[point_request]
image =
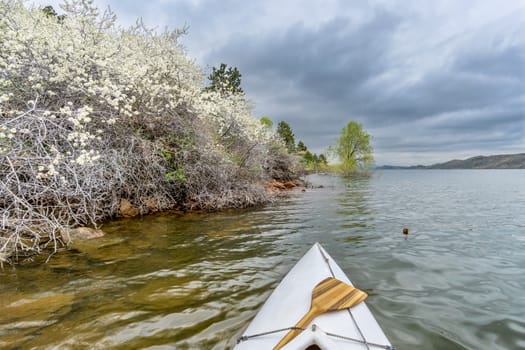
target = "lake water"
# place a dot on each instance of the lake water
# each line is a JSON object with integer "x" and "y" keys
{"x": 194, "y": 282}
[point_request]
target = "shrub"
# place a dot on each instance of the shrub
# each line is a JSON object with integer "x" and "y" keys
{"x": 91, "y": 114}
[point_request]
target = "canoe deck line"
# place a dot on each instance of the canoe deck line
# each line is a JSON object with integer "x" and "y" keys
{"x": 354, "y": 328}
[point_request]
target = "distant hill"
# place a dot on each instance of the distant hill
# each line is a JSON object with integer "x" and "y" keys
{"x": 502, "y": 161}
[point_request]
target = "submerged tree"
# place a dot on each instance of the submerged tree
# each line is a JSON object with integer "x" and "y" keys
{"x": 354, "y": 149}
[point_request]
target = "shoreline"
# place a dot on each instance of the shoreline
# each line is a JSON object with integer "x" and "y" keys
{"x": 274, "y": 190}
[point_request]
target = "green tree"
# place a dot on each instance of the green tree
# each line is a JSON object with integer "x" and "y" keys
{"x": 285, "y": 132}
{"x": 311, "y": 161}
{"x": 301, "y": 147}
{"x": 225, "y": 81}
{"x": 322, "y": 160}
{"x": 267, "y": 122}
{"x": 308, "y": 157}
{"x": 315, "y": 163}
{"x": 354, "y": 149}
{"x": 50, "y": 12}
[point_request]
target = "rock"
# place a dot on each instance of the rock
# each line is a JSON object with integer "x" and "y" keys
{"x": 82, "y": 233}
{"x": 105, "y": 249}
{"x": 20, "y": 310}
{"x": 278, "y": 185}
{"x": 127, "y": 209}
{"x": 151, "y": 204}
{"x": 289, "y": 184}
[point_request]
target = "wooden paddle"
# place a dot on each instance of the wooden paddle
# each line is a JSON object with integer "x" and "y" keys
{"x": 329, "y": 295}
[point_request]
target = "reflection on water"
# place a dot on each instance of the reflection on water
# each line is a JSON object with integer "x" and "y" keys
{"x": 194, "y": 282}
{"x": 354, "y": 204}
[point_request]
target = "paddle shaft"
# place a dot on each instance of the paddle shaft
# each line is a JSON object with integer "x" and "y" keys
{"x": 303, "y": 322}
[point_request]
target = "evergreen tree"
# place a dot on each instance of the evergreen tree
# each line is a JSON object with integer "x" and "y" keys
{"x": 322, "y": 160}
{"x": 309, "y": 157}
{"x": 301, "y": 147}
{"x": 225, "y": 81}
{"x": 285, "y": 132}
{"x": 50, "y": 12}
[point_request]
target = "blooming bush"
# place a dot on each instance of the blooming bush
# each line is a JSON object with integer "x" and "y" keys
{"x": 91, "y": 114}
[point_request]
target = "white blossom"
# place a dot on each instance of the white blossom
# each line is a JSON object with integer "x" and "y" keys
{"x": 77, "y": 92}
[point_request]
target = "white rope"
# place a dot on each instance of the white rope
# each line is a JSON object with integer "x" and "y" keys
{"x": 248, "y": 337}
{"x": 342, "y": 337}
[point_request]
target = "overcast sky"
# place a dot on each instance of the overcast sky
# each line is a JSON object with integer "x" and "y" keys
{"x": 429, "y": 80}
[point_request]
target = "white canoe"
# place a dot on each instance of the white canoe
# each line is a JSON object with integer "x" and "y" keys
{"x": 354, "y": 328}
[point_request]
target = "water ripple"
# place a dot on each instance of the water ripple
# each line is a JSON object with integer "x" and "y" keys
{"x": 194, "y": 281}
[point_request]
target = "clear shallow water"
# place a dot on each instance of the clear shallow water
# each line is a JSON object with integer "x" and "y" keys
{"x": 194, "y": 282}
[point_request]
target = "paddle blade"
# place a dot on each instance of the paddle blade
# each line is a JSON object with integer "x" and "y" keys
{"x": 328, "y": 295}
{"x": 332, "y": 294}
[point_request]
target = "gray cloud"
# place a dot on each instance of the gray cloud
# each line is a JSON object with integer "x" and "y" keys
{"x": 433, "y": 82}
{"x": 469, "y": 93}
